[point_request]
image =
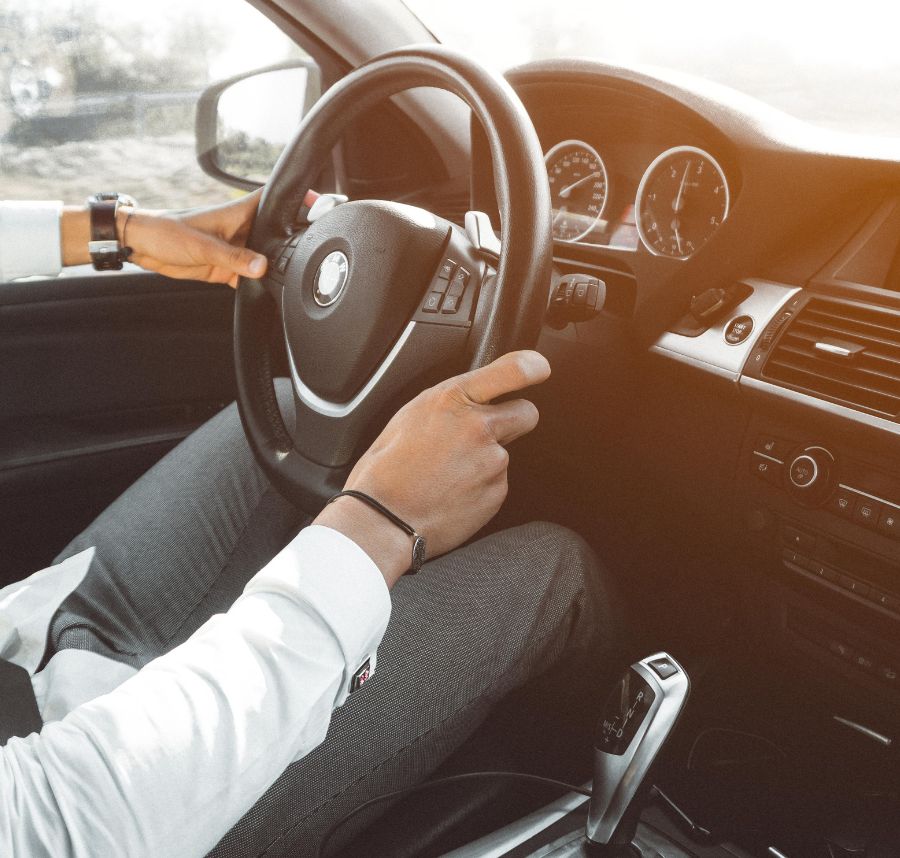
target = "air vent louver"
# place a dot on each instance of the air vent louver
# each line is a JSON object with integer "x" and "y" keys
{"x": 844, "y": 352}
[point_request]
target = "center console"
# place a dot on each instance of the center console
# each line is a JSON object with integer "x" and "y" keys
{"x": 817, "y": 483}
{"x": 823, "y": 517}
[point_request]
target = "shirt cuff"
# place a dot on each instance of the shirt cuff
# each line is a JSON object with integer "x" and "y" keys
{"x": 29, "y": 239}
{"x": 342, "y": 584}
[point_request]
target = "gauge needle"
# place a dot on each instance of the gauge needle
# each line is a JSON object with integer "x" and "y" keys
{"x": 566, "y": 192}
{"x": 559, "y": 214}
{"x": 677, "y": 236}
{"x": 679, "y": 199}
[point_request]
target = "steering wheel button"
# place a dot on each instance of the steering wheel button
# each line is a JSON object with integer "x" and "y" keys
{"x": 451, "y": 303}
{"x": 446, "y": 269}
{"x": 432, "y": 302}
{"x": 581, "y": 293}
{"x": 460, "y": 279}
{"x": 457, "y": 287}
{"x": 439, "y": 285}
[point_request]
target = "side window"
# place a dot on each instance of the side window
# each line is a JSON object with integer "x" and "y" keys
{"x": 102, "y": 95}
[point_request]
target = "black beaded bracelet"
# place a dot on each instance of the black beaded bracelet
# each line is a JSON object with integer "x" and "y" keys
{"x": 418, "y": 548}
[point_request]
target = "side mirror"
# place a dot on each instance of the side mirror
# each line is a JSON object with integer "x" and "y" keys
{"x": 244, "y": 122}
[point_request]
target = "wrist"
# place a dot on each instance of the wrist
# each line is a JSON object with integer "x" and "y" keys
{"x": 389, "y": 548}
{"x": 124, "y": 224}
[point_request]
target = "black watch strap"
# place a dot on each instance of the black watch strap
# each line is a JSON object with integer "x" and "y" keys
{"x": 418, "y": 547}
{"x": 106, "y": 252}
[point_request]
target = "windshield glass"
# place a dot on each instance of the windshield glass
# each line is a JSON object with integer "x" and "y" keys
{"x": 836, "y": 65}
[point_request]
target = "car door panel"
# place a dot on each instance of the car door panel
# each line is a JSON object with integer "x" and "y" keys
{"x": 99, "y": 377}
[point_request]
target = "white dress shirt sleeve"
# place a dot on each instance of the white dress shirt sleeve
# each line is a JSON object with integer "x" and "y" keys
{"x": 29, "y": 239}
{"x": 167, "y": 762}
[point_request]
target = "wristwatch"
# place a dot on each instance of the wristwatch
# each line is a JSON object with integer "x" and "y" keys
{"x": 106, "y": 252}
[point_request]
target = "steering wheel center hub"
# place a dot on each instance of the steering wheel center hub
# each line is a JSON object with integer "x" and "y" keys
{"x": 355, "y": 279}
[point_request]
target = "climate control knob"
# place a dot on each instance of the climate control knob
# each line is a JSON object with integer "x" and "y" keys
{"x": 810, "y": 475}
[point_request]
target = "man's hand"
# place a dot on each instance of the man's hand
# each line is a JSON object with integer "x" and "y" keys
{"x": 206, "y": 245}
{"x": 440, "y": 463}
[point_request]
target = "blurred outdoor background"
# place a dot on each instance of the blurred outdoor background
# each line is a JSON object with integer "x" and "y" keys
{"x": 101, "y": 94}
{"x": 836, "y": 64}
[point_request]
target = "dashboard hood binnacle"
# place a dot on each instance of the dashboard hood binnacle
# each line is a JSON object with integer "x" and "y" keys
{"x": 744, "y": 119}
{"x": 798, "y": 192}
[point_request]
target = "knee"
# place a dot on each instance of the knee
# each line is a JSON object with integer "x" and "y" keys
{"x": 569, "y": 571}
{"x": 559, "y": 550}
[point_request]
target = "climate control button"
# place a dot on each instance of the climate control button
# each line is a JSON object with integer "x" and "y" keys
{"x": 810, "y": 476}
{"x": 804, "y": 471}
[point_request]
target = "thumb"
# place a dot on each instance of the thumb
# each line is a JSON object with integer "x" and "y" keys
{"x": 232, "y": 257}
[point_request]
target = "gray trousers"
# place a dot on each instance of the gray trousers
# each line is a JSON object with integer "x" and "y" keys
{"x": 181, "y": 544}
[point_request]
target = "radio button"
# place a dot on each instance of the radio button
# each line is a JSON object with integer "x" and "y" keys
{"x": 853, "y": 585}
{"x": 798, "y": 539}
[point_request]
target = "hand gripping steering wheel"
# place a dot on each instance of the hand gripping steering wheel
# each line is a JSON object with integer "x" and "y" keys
{"x": 376, "y": 300}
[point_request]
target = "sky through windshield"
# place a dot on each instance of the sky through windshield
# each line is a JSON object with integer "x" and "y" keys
{"x": 836, "y": 65}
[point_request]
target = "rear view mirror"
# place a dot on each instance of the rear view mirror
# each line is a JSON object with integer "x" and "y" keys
{"x": 244, "y": 122}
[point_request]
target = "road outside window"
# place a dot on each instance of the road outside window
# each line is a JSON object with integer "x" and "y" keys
{"x": 101, "y": 95}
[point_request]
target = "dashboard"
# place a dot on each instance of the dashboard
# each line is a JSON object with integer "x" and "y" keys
{"x": 771, "y": 428}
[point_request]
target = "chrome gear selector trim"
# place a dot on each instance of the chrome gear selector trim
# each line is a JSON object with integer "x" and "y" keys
{"x": 636, "y": 722}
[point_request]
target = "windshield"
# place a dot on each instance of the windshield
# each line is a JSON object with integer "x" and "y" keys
{"x": 835, "y": 65}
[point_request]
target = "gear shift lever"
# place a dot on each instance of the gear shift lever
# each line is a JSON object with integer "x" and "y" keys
{"x": 636, "y": 722}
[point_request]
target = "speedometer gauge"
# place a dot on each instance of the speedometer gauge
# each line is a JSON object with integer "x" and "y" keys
{"x": 681, "y": 201}
{"x": 578, "y": 188}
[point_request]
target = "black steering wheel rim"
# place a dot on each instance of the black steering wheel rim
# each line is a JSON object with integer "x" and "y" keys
{"x": 510, "y": 312}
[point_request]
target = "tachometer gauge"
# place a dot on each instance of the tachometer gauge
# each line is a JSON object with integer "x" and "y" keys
{"x": 578, "y": 188}
{"x": 681, "y": 201}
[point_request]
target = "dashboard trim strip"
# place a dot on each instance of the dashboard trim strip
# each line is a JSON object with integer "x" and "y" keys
{"x": 869, "y": 496}
{"x": 710, "y": 351}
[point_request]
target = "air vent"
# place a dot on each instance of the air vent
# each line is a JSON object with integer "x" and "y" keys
{"x": 844, "y": 352}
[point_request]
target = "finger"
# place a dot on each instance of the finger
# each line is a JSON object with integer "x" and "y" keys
{"x": 177, "y": 272}
{"x": 507, "y": 374}
{"x": 510, "y": 420}
{"x": 216, "y": 253}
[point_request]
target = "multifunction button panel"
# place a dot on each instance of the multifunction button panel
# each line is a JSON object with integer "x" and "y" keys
{"x": 812, "y": 475}
{"x": 447, "y": 289}
{"x": 450, "y": 296}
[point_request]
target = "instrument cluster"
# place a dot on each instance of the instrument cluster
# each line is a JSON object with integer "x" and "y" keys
{"x": 682, "y": 198}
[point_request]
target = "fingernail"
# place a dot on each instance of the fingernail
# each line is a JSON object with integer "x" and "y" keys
{"x": 535, "y": 362}
{"x": 257, "y": 266}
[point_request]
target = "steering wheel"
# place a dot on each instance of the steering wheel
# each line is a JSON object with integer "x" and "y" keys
{"x": 376, "y": 300}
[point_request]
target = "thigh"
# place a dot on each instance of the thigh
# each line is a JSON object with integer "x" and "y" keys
{"x": 469, "y": 628}
{"x": 177, "y": 547}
